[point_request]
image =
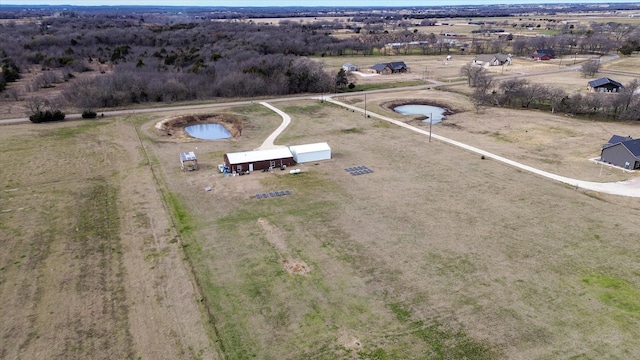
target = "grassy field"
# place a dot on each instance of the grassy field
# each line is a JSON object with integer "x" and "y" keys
{"x": 110, "y": 251}
{"x": 436, "y": 254}
{"x": 89, "y": 264}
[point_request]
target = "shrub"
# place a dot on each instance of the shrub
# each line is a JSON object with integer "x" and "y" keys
{"x": 45, "y": 116}
{"x": 89, "y": 114}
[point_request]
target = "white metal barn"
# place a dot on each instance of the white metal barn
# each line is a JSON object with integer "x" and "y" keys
{"x": 310, "y": 152}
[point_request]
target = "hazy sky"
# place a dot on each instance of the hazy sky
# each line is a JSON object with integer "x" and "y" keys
{"x": 296, "y": 2}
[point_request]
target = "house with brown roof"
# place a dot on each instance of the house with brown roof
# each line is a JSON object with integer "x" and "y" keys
{"x": 543, "y": 54}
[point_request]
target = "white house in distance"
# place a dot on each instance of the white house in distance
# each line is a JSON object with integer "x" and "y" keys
{"x": 349, "y": 67}
{"x": 486, "y": 60}
{"x": 310, "y": 152}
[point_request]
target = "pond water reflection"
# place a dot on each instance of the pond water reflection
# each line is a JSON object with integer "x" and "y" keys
{"x": 433, "y": 113}
{"x": 208, "y": 131}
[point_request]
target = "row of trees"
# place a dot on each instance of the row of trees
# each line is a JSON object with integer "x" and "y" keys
{"x": 136, "y": 62}
{"x": 520, "y": 93}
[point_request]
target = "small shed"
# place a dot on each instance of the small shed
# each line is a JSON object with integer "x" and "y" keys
{"x": 604, "y": 85}
{"x": 188, "y": 161}
{"x": 310, "y": 152}
{"x": 255, "y": 160}
{"x": 622, "y": 151}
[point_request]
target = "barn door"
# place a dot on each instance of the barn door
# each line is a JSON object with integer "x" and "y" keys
{"x": 250, "y": 167}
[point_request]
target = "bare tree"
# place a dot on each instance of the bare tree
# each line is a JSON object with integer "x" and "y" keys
{"x": 36, "y": 105}
{"x": 482, "y": 93}
{"x": 590, "y": 68}
{"x": 532, "y": 93}
{"x": 512, "y": 90}
{"x": 472, "y": 72}
{"x": 628, "y": 93}
{"x": 555, "y": 97}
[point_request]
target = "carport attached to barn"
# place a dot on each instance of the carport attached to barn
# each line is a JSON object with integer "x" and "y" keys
{"x": 258, "y": 159}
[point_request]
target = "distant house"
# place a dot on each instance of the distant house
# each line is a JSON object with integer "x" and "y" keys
{"x": 543, "y": 54}
{"x": 604, "y": 85}
{"x": 390, "y": 68}
{"x": 622, "y": 151}
{"x": 350, "y": 67}
{"x": 492, "y": 60}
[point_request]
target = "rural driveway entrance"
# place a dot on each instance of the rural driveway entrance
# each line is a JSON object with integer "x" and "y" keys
{"x": 286, "y": 120}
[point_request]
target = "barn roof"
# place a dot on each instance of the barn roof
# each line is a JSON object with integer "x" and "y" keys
{"x": 307, "y": 148}
{"x": 259, "y": 155}
{"x": 603, "y": 81}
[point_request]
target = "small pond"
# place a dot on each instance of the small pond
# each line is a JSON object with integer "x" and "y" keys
{"x": 433, "y": 113}
{"x": 208, "y": 131}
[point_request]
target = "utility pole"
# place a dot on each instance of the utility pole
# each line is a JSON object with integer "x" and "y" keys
{"x": 430, "y": 123}
{"x": 365, "y": 104}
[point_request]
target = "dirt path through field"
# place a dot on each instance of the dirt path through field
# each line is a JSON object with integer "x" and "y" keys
{"x": 165, "y": 320}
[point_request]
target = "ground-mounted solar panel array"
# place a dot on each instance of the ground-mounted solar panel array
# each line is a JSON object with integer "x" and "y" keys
{"x": 358, "y": 170}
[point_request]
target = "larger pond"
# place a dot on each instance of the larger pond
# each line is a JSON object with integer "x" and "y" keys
{"x": 433, "y": 113}
{"x": 208, "y": 131}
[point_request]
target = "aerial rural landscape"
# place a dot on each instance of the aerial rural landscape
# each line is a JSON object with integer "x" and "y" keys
{"x": 320, "y": 222}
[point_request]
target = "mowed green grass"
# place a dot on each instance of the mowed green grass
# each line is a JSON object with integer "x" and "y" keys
{"x": 437, "y": 254}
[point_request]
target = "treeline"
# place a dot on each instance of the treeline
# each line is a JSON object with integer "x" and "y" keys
{"x": 134, "y": 60}
{"x": 520, "y": 93}
{"x": 141, "y": 62}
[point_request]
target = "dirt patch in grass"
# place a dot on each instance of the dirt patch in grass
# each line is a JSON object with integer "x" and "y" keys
{"x": 275, "y": 237}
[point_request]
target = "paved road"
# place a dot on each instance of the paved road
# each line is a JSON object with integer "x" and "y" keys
{"x": 629, "y": 188}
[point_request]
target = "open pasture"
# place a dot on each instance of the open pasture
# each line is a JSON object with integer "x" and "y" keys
{"x": 436, "y": 253}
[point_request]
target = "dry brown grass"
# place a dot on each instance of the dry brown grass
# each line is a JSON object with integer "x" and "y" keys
{"x": 435, "y": 243}
{"x": 89, "y": 266}
{"x": 437, "y": 253}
